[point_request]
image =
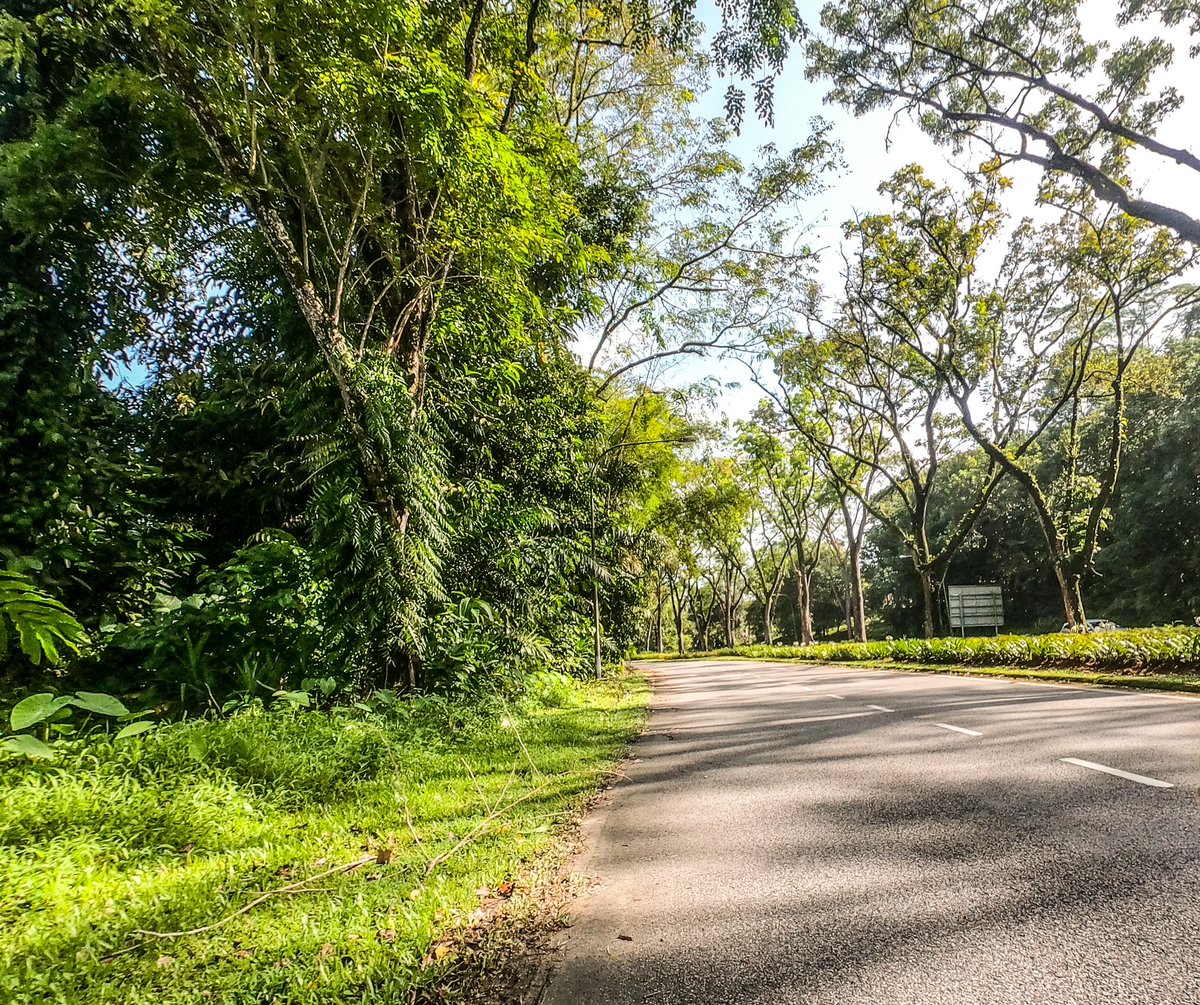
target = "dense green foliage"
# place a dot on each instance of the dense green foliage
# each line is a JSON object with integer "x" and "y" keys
{"x": 285, "y": 386}
{"x": 955, "y": 422}
{"x": 38, "y": 622}
{"x": 1145, "y": 573}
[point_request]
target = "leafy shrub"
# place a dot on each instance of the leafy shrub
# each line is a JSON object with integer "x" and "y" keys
{"x": 468, "y": 651}
{"x": 253, "y": 625}
{"x": 474, "y": 652}
{"x": 1143, "y": 649}
{"x": 550, "y": 688}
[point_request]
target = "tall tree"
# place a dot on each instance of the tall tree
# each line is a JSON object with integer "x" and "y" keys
{"x": 899, "y": 304}
{"x": 1089, "y": 286}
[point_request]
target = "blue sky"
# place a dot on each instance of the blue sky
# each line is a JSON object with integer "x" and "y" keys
{"x": 877, "y": 145}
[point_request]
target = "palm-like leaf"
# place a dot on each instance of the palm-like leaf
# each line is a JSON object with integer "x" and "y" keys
{"x": 43, "y": 625}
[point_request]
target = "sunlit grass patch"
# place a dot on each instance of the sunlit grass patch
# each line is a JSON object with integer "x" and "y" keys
{"x": 182, "y": 828}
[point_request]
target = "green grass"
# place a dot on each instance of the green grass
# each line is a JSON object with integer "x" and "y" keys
{"x": 187, "y": 825}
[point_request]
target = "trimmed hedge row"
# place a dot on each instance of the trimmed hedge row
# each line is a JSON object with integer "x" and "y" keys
{"x": 1148, "y": 650}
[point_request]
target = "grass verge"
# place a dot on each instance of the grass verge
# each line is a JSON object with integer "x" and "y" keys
{"x": 376, "y": 839}
{"x": 1151, "y": 682}
{"x": 1156, "y": 658}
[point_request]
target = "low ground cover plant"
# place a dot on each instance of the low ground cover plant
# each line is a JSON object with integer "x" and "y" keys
{"x": 1131, "y": 651}
{"x": 371, "y": 835}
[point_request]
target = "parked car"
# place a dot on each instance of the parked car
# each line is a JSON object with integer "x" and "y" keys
{"x": 1096, "y": 625}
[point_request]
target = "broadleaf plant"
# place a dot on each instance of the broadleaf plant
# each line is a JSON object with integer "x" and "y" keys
{"x": 50, "y": 712}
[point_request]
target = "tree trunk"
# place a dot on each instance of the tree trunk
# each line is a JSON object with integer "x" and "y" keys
{"x": 855, "y": 601}
{"x": 769, "y": 620}
{"x": 703, "y": 624}
{"x": 927, "y": 597}
{"x": 658, "y": 618}
{"x": 729, "y": 606}
{"x": 599, "y": 664}
{"x": 858, "y": 602}
{"x": 1069, "y": 581}
{"x": 848, "y": 608}
{"x": 803, "y": 599}
{"x": 677, "y": 611}
{"x": 1071, "y": 587}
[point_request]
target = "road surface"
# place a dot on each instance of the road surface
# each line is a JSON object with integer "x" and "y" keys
{"x": 837, "y": 836}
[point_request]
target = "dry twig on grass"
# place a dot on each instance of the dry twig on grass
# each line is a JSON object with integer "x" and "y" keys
{"x": 480, "y": 829}
{"x": 300, "y": 886}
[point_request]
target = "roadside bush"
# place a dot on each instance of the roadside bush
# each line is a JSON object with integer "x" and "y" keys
{"x": 550, "y": 688}
{"x": 1138, "y": 650}
{"x": 255, "y": 624}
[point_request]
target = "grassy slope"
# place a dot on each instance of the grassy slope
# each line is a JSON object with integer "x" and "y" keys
{"x": 183, "y": 828}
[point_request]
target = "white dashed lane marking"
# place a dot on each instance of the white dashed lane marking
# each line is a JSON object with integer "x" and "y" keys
{"x": 1140, "y": 779}
{"x": 881, "y": 708}
{"x": 958, "y": 729}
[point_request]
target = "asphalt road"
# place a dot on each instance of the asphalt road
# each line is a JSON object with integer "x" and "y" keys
{"x": 838, "y": 836}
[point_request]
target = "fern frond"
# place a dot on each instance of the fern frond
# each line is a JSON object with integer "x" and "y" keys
{"x": 42, "y": 624}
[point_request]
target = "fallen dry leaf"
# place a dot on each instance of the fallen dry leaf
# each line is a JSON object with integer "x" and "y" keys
{"x": 165, "y": 961}
{"x": 437, "y": 953}
{"x": 386, "y": 935}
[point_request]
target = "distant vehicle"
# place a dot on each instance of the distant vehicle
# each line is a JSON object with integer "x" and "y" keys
{"x": 1096, "y": 625}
